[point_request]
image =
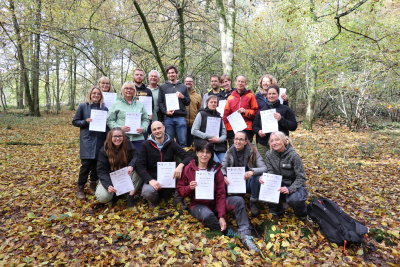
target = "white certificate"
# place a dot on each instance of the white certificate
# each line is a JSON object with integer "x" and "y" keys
{"x": 165, "y": 174}
{"x": 268, "y": 122}
{"x": 269, "y": 189}
{"x": 221, "y": 107}
{"x": 237, "y": 183}
{"x": 99, "y": 119}
{"x": 134, "y": 121}
{"x": 213, "y": 126}
{"x": 122, "y": 181}
{"x": 237, "y": 122}
{"x": 109, "y": 98}
{"x": 171, "y": 101}
{"x": 205, "y": 185}
{"x": 148, "y": 103}
{"x": 281, "y": 92}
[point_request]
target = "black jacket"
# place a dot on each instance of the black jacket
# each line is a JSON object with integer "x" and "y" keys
{"x": 262, "y": 101}
{"x": 169, "y": 88}
{"x": 287, "y": 123}
{"x": 104, "y": 168}
{"x": 149, "y": 155}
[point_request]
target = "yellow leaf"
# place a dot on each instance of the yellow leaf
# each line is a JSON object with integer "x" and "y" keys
{"x": 176, "y": 242}
{"x": 360, "y": 252}
{"x": 396, "y": 233}
{"x": 285, "y": 243}
{"x": 171, "y": 252}
{"x": 116, "y": 217}
{"x": 207, "y": 251}
{"x": 273, "y": 228}
{"x": 269, "y": 245}
{"x": 108, "y": 239}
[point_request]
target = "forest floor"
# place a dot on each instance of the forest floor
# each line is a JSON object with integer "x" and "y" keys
{"x": 43, "y": 223}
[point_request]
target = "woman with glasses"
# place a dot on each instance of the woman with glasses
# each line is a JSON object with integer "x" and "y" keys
{"x": 116, "y": 154}
{"x": 245, "y": 154}
{"x": 90, "y": 141}
{"x": 129, "y": 104}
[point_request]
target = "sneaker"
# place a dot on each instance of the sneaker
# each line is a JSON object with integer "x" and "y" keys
{"x": 248, "y": 242}
{"x": 231, "y": 233}
{"x": 80, "y": 193}
{"x": 131, "y": 200}
{"x": 255, "y": 211}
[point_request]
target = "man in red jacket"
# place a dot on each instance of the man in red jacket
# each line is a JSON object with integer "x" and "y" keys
{"x": 243, "y": 101}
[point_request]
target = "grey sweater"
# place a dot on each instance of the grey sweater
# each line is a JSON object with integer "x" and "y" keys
{"x": 259, "y": 167}
{"x": 288, "y": 164}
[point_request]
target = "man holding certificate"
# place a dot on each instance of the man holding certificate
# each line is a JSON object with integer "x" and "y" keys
{"x": 173, "y": 99}
{"x": 159, "y": 148}
{"x": 208, "y": 201}
{"x": 244, "y": 154}
{"x": 283, "y": 160}
{"x": 243, "y": 101}
{"x": 283, "y": 116}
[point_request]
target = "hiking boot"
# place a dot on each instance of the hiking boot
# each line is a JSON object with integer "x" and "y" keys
{"x": 248, "y": 242}
{"x": 179, "y": 201}
{"x": 80, "y": 193}
{"x": 255, "y": 211}
{"x": 131, "y": 200}
{"x": 93, "y": 185}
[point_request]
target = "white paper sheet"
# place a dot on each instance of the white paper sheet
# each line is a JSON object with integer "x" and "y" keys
{"x": 121, "y": 181}
{"x": 237, "y": 122}
{"x": 172, "y": 102}
{"x": 109, "y": 99}
{"x": 221, "y": 106}
{"x": 268, "y": 122}
{"x": 205, "y": 185}
{"x": 165, "y": 173}
{"x": 134, "y": 121}
{"x": 281, "y": 91}
{"x": 213, "y": 126}
{"x": 237, "y": 183}
{"x": 99, "y": 120}
{"x": 269, "y": 189}
{"x": 148, "y": 103}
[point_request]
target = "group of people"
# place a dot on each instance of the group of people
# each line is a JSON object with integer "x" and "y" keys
{"x": 162, "y": 136}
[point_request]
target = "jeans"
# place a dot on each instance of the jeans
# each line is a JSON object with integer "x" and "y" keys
{"x": 296, "y": 200}
{"x": 219, "y": 157}
{"x": 253, "y": 187}
{"x": 88, "y": 166}
{"x": 176, "y": 127}
{"x": 233, "y": 203}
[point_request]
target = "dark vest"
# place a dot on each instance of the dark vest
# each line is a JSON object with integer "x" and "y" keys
{"x": 218, "y": 147}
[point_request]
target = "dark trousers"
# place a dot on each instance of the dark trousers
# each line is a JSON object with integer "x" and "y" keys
{"x": 296, "y": 200}
{"x": 88, "y": 166}
{"x": 230, "y": 135}
{"x": 233, "y": 203}
{"x": 189, "y": 136}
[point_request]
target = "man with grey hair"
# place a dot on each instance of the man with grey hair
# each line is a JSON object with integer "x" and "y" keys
{"x": 154, "y": 78}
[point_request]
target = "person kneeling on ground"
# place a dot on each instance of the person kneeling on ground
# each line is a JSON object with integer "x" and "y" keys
{"x": 283, "y": 160}
{"x": 116, "y": 154}
{"x": 212, "y": 212}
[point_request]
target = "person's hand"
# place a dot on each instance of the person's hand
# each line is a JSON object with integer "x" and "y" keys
{"x": 125, "y": 129}
{"x": 180, "y": 95}
{"x": 130, "y": 170}
{"x": 140, "y": 130}
{"x": 150, "y": 117}
{"x": 89, "y": 120}
{"x": 261, "y": 180}
{"x": 248, "y": 174}
{"x": 261, "y": 133}
{"x": 170, "y": 112}
{"x": 277, "y": 116}
{"x": 213, "y": 140}
{"x": 178, "y": 171}
{"x": 192, "y": 185}
{"x": 111, "y": 189}
{"x": 155, "y": 184}
{"x": 226, "y": 180}
{"x": 242, "y": 110}
{"x": 284, "y": 97}
{"x": 283, "y": 190}
{"x": 222, "y": 223}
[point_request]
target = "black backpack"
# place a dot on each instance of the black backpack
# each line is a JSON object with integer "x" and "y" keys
{"x": 337, "y": 226}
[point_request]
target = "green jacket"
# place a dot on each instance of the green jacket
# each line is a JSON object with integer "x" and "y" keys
{"x": 116, "y": 116}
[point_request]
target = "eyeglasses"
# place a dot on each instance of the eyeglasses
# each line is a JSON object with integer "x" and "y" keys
{"x": 240, "y": 139}
{"x": 129, "y": 89}
{"x": 117, "y": 136}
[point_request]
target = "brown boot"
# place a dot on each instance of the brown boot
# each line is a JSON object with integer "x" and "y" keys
{"x": 93, "y": 185}
{"x": 80, "y": 193}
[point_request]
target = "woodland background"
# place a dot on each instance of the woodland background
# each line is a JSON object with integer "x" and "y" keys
{"x": 339, "y": 61}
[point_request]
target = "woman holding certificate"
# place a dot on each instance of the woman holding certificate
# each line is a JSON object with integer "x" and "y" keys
{"x": 266, "y": 81}
{"x": 118, "y": 153}
{"x": 211, "y": 211}
{"x": 209, "y": 127}
{"x": 129, "y": 114}
{"x": 283, "y": 160}
{"x": 274, "y": 116}
{"x": 90, "y": 141}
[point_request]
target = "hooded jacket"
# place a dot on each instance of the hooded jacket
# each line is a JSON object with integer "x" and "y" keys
{"x": 235, "y": 101}
{"x": 170, "y": 88}
{"x": 218, "y": 204}
{"x": 230, "y": 161}
{"x": 150, "y": 154}
{"x": 285, "y": 124}
{"x": 288, "y": 164}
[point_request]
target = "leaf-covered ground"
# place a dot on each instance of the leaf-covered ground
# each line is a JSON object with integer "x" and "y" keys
{"x": 42, "y": 222}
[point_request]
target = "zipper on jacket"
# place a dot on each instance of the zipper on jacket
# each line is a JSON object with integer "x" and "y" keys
{"x": 159, "y": 150}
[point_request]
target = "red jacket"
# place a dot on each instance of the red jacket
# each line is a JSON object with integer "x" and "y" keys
{"x": 248, "y": 101}
{"x": 189, "y": 174}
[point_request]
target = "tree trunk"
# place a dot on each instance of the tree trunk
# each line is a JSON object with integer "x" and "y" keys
{"x": 180, "y": 10}
{"x": 35, "y": 59}
{"x": 19, "y": 91}
{"x": 57, "y": 92}
{"x": 47, "y": 80}
{"x": 72, "y": 80}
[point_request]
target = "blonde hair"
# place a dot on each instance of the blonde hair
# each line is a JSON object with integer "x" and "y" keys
{"x": 270, "y": 77}
{"x": 89, "y": 93}
{"x": 108, "y": 79}
{"x": 283, "y": 137}
{"x": 131, "y": 84}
